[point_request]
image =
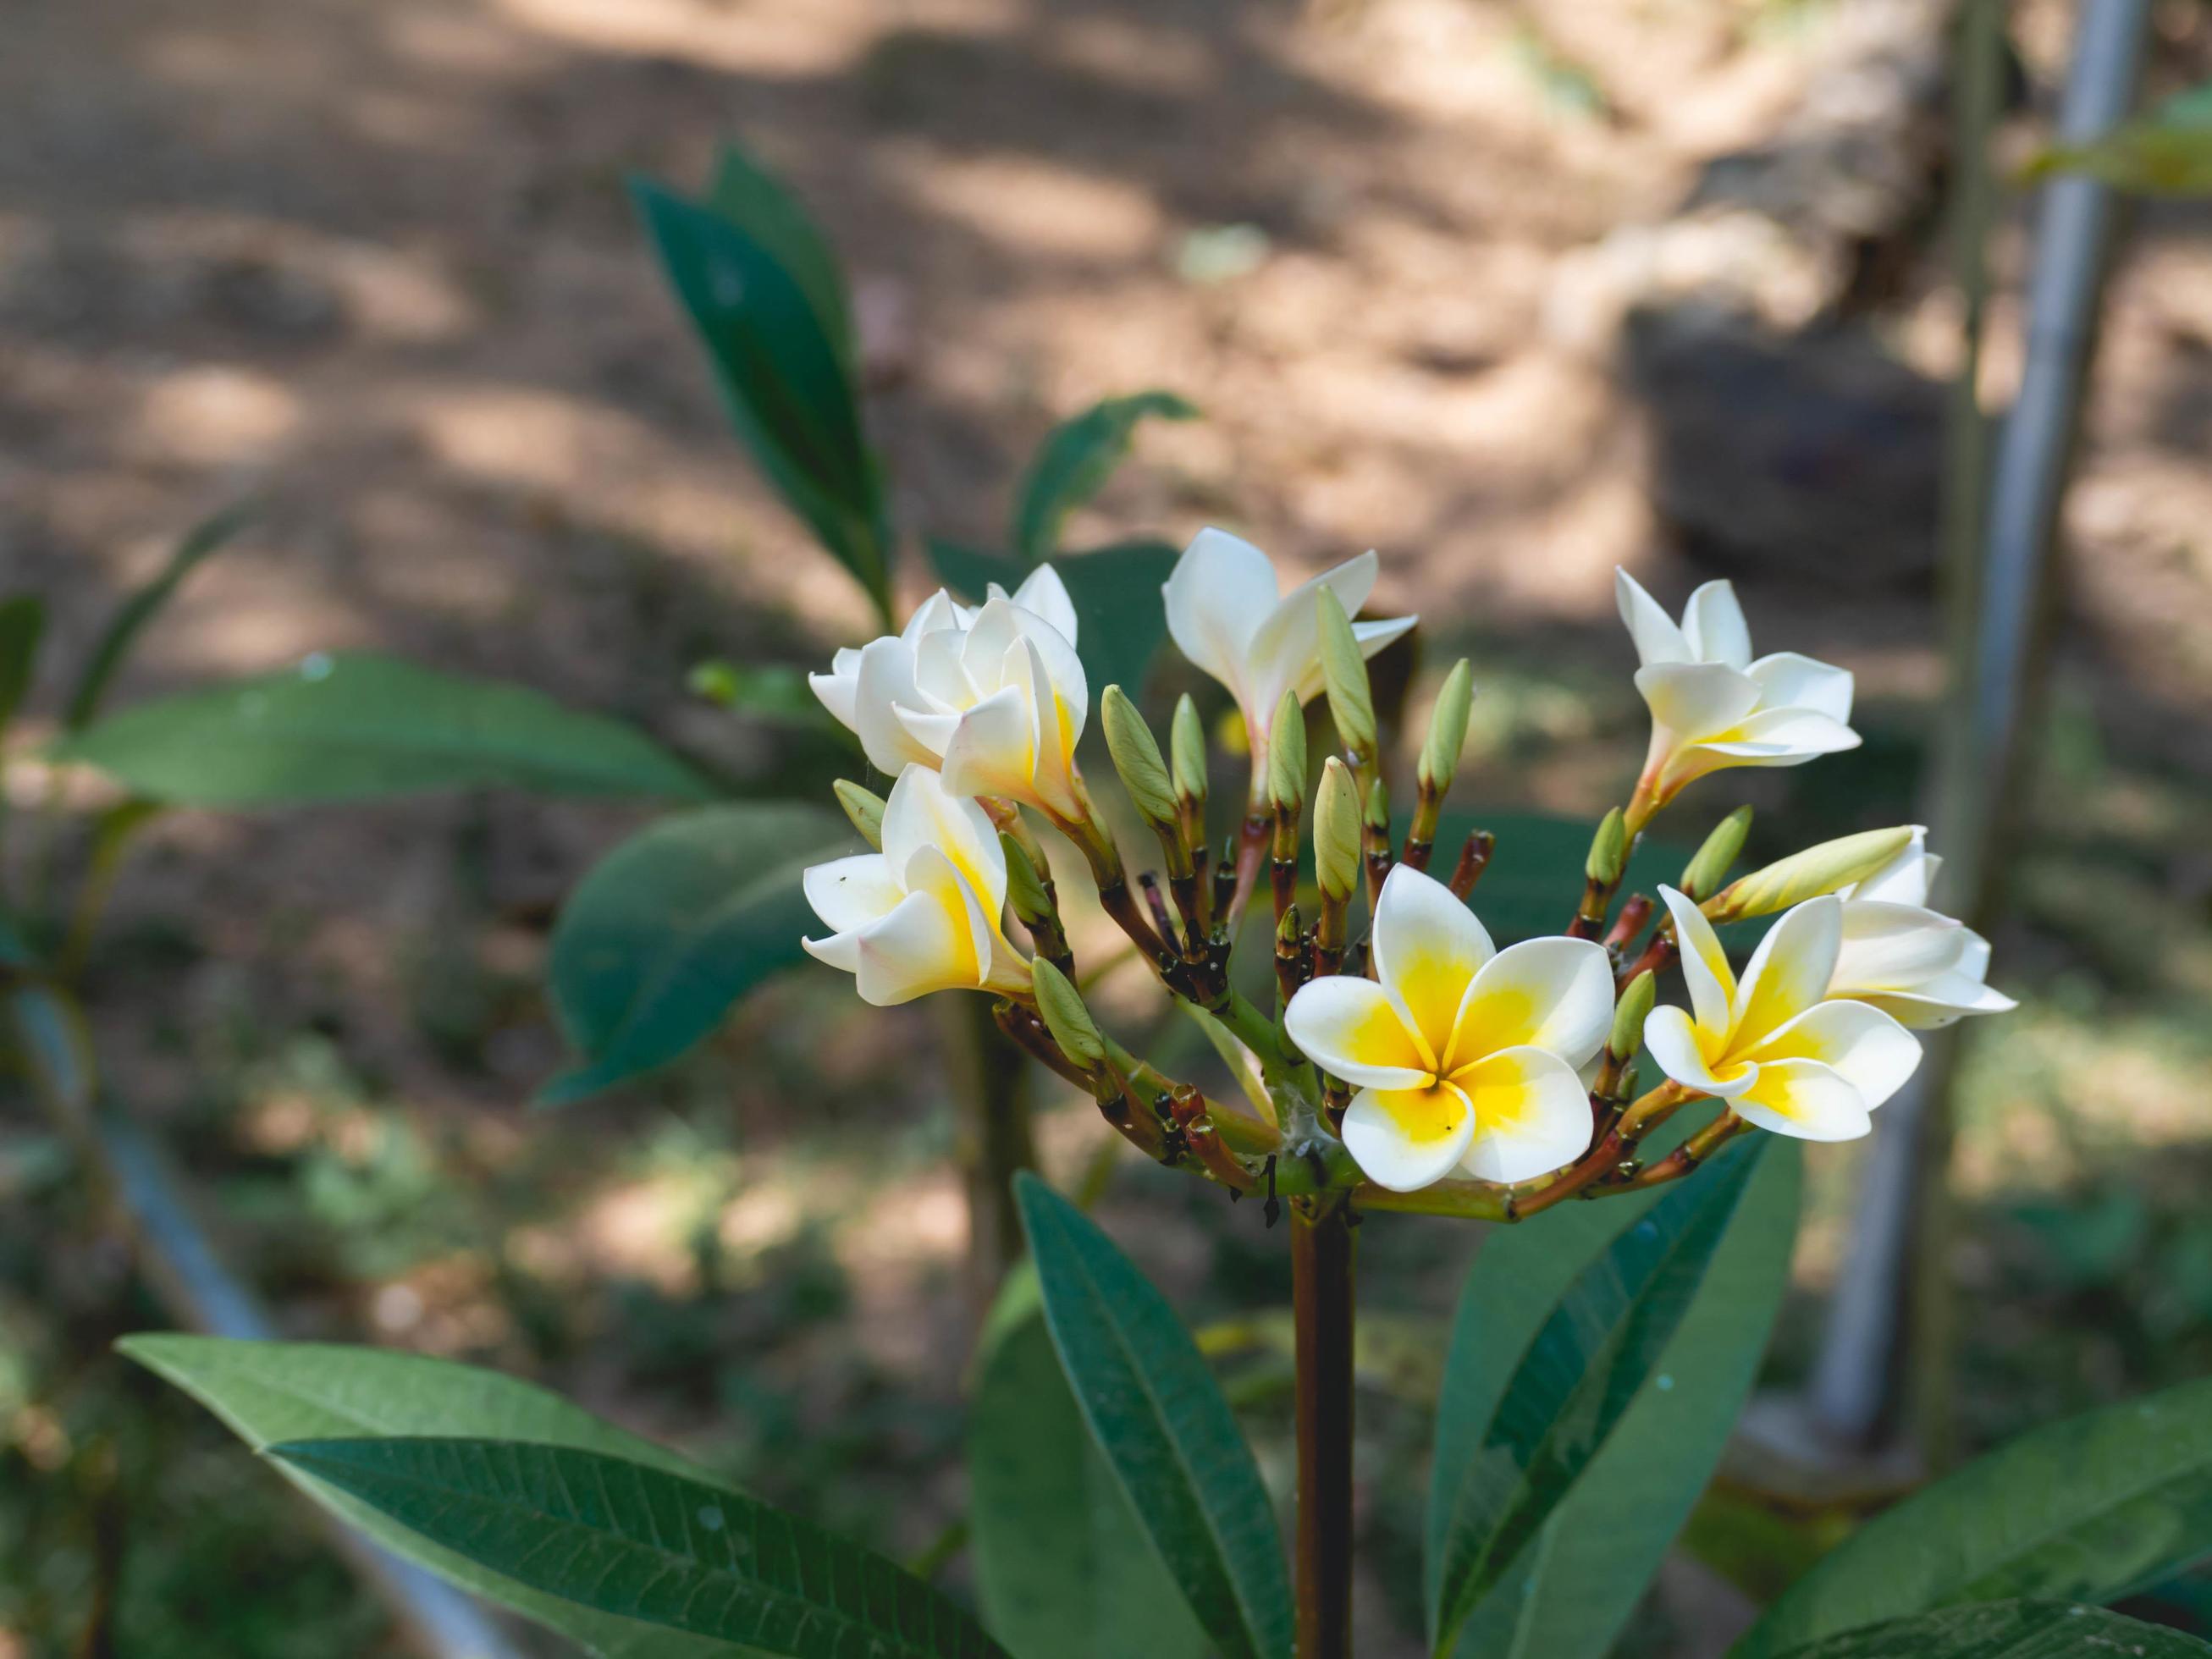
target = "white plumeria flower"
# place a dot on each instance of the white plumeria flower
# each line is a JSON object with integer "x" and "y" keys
{"x": 1463, "y": 1054}
{"x": 993, "y": 696}
{"x": 1225, "y": 615}
{"x": 1775, "y": 1046}
{"x": 923, "y": 914}
{"x": 1916, "y": 964}
{"x": 1712, "y": 706}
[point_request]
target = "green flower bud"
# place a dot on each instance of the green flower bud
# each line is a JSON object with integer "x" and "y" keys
{"x": 1025, "y": 885}
{"x": 1344, "y": 670}
{"x": 1448, "y": 729}
{"x": 1187, "y": 748}
{"x": 1136, "y": 757}
{"x": 1630, "y": 1013}
{"x": 1065, "y": 1017}
{"x": 1378, "y": 807}
{"x": 1703, "y": 876}
{"x": 1290, "y": 932}
{"x": 1286, "y": 757}
{"x": 1608, "y": 850}
{"x": 866, "y": 810}
{"x": 1808, "y": 874}
{"x": 1336, "y": 831}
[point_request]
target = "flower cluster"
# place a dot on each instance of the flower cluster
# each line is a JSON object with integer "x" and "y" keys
{"x": 1420, "y": 1064}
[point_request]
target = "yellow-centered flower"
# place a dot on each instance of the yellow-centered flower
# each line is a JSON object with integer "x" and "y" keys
{"x": 1783, "y": 1053}
{"x": 923, "y": 914}
{"x": 1464, "y": 1055}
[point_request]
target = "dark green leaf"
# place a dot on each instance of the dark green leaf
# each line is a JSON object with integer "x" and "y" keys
{"x": 269, "y": 1392}
{"x": 635, "y": 1540}
{"x": 785, "y": 382}
{"x": 1154, "y": 1411}
{"x": 22, "y": 619}
{"x": 1583, "y": 1578}
{"x": 2010, "y": 1630}
{"x": 1075, "y": 462}
{"x": 1061, "y": 1563}
{"x": 349, "y": 727}
{"x": 1121, "y": 619}
{"x": 1570, "y": 1387}
{"x": 2089, "y": 1509}
{"x": 760, "y": 205}
{"x": 674, "y": 925}
{"x": 204, "y": 539}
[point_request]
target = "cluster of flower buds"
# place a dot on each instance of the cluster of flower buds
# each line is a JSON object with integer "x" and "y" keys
{"x": 1407, "y": 1060}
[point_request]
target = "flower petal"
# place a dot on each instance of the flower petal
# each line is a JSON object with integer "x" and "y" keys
{"x": 1805, "y": 1100}
{"x": 1906, "y": 880}
{"x": 1531, "y": 1115}
{"x": 1861, "y": 1044}
{"x": 992, "y": 748}
{"x": 1219, "y": 592}
{"x": 1045, "y": 593}
{"x": 921, "y": 812}
{"x": 1657, "y": 639}
{"x": 885, "y": 676}
{"x": 1789, "y": 680}
{"x": 1405, "y": 1139}
{"x": 1697, "y": 699}
{"x": 1714, "y": 628}
{"x": 1943, "y": 1000}
{"x": 938, "y": 611}
{"x": 1783, "y": 736}
{"x": 1427, "y": 945}
{"x": 1705, "y": 967}
{"x": 1893, "y": 947}
{"x": 1372, "y": 637}
{"x": 1286, "y": 648}
{"x": 1789, "y": 971}
{"x": 850, "y": 892}
{"x": 839, "y": 688}
{"x": 1352, "y": 1028}
{"x": 839, "y": 951}
{"x": 925, "y": 944}
{"x": 1551, "y": 993}
{"x": 1673, "y": 1040}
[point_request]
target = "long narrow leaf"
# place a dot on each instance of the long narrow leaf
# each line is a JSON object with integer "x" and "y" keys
{"x": 637, "y": 1541}
{"x": 2010, "y": 1630}
{"x": 1574, "y": 1382}
{"x": 762, "y": 206}
{"x": 1154, "y": 1411}
{"x": 1075, "y": 462}
{"x": 204, "y": 539}
{"x": 22, "y": 620}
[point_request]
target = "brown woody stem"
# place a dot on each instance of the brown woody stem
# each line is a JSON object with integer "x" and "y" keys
{"x": 1323, "y": 1255}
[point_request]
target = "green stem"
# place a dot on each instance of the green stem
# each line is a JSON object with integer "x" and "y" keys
{"x": 1322, "y": 1254}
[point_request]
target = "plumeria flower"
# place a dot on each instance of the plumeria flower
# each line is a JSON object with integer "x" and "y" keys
{"x": 1917, "y": 965}
{"x": 923, "y": 914}
{"x": 1712, "y": 706}
{"x": 993, "y": 696}
{"x": 1225, "y": 614}
{"x": 1463, "y": 1054}
{"x": 1783, "y": 1053}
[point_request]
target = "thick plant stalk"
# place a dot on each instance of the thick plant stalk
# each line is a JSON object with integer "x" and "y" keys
{"x": 995, "y": 1138}
{"x": 2005, "y": 589}
{"x": 1321, "y": 1275}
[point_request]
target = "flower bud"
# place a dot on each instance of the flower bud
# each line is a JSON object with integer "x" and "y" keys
{"x": 1336, "y": 831}
{"x": 1630, "y": 1013}
{"x": 1703, "y": 876}
{"x": 1447, "y": 729}
{"x": 1025, "y": 885}
{"x": 1065, "y": 1017}
{"x": 866, "y": 810}
{"x": 1808, "y": 874}
{"x": 1186, "y": 748}
{"x": 1609, "y": 851}
{"x": 1286, "y": 757}
{"x": 1378, "y": 808}
{"x": 1344, "y": 672}
{"x": 1136, "y": 757}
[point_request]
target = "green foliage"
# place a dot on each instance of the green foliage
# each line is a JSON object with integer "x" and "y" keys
{"x": 2167, "y": 153}
{"x": 637, "y": 1541}
{"x": 1589, "y": 1567}
{"x": 2090, "y": 1509}
{"x": 1075, "y": 462}
{"x": 206, "y": 537}
{"x": 675, "y": 924}
{"x": 22, "y": 620}
{"x": 1569, "y": 1390}
{"x": 784, "y": 374}
{"x": 1153, "y": 1410}
{"x": 2009, "y": 1629}
{"x": 352, "y": 727}
{"x": 1060, "y": 1558}
{"x": 272, "y": 1392}
{"x": 769, "y": 691}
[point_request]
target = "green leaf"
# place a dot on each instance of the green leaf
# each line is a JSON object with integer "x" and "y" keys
{"x": 22, "y": 620}
{"x": 1582, "y": 1581}
{"x": 785, "y": 380}
{"x": 1121, "y": 619}
{"x": 1154, "y": 1411}
{"x": 1075, "y": 462}
{"x": 349, "y": 727}
{"x": 674, "y": 925}
{"x": 635, "y": 1540}
{"x": 2010, "y": 1630}
{"x": 1061, "y": 1561}
{"x": 271, "y": 1392}
{"x": 769, "y": 691}
{"x": 762, "y": 206}
{"x": 1570, "y": 1387}
{"x": 2167, "y": 153}
{"x": 202, "y": 540}
{"x": 2090, "y": 1509}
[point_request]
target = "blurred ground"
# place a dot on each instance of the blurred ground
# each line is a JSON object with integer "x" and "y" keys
{"x": 375, "y": 261}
